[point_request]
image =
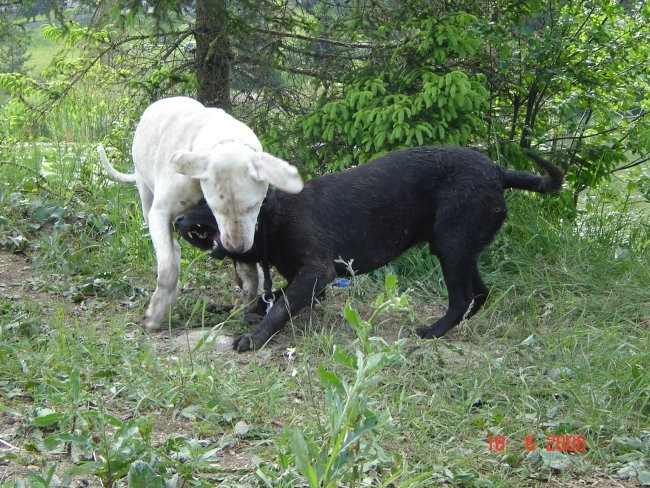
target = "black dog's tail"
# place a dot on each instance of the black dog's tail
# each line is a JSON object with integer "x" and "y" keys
{"x": 549, "y": 183}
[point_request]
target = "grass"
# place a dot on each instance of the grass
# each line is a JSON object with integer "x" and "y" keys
{"x": 561, "y": 349}
{"x": 41, "y": 51}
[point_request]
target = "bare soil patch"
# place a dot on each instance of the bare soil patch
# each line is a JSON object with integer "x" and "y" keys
{"x": 15, "y": 272}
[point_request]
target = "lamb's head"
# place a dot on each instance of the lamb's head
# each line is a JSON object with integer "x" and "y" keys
{"x": 234, "y": 180}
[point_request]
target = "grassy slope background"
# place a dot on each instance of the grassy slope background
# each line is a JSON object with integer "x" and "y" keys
{"x": 561, "y": 349}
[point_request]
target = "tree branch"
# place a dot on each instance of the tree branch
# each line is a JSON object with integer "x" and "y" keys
{"x": 323, "y": 40}
{"x": 640, "y": 160}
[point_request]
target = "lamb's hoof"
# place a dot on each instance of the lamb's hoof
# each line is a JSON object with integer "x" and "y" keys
{"x": 151, "y": 326}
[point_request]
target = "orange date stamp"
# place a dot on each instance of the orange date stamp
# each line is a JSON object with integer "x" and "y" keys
{"x": 557, "y": 443}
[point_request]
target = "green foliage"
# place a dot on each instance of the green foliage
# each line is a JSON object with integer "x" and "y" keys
{"x": 348, "y": 446}
{"x": 141, "y": 475}
{"x": 33, "y": 8}
{"x": 554, "y": 72}
{"x": 415, "y": 98}
{"x": 51, "y": 109}
{"x": 122, "y": 443}
{"x": 336, "y": 85}
{"x": 13, "y": 46}
{"x": 38, "y": 102}
{"x": 559, "y": 79}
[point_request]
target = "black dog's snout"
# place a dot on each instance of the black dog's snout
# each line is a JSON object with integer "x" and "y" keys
{"x": 199, "y": 227}
{"x": 180, "y": 224}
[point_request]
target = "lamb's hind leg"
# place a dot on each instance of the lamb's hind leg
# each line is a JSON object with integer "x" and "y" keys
{"x": 146, "y": 200}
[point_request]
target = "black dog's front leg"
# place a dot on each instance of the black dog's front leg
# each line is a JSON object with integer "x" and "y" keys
{"x": 298, "y": 295}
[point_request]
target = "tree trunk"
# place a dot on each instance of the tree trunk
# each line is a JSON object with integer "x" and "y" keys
{"x": 213, "y": 55}
{"x": 529, "y": 118}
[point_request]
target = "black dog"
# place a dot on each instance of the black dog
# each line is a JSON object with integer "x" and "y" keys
{"x": 450, "y": 197}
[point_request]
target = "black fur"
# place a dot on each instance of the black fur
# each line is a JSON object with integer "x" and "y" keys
{"x": 449, "y": 197}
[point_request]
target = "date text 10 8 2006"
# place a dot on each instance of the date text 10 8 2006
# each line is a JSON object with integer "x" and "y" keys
{"x": 559, "y": 443}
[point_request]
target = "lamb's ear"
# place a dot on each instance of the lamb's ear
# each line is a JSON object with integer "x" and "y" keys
{"x": 277, "y": 172}
{"x": 189, "y": 163}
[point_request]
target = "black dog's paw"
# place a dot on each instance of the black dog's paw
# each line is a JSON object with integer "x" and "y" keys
{"x": 428, "y": 332}
{"x": 250, "y": 342}
{"x": 218, "y": 308}
{"x": 244, "y": 343}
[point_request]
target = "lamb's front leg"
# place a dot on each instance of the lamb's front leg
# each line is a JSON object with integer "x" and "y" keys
{"x": 308, "y": 283}
{"x": 169, "y": 262}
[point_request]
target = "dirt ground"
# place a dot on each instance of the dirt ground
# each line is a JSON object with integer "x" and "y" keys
{"x": 15, "y": 277}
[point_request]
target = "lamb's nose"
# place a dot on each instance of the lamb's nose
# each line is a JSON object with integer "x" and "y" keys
{"x": 179, "y": 219}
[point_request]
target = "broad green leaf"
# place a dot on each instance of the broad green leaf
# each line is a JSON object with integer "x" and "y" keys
{"x": 344, "y": 358}
{"x": 351, "y": 315}
{"x": 329, "y": 378}
{"x": 75, "y": 386}
{"x": 48, "y": 419}
{"x": 141, "y": 475}
{"x": 300, "y": 450}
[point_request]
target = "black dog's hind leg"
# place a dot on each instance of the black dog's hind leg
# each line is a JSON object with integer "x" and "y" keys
{"x": 456, "y": 269}
{"x": 458, "y": 241}
{"x": 308, "y": 283}
{"x": 479, "y": 292}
